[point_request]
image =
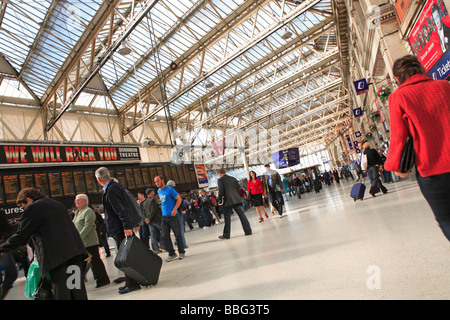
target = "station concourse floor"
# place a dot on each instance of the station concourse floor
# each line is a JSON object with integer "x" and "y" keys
{"x": 325, "y": 247}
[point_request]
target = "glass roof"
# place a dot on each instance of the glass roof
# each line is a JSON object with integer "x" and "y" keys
{"x": 237, "y": 63}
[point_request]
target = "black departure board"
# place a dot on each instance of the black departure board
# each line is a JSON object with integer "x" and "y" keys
{"x": 12, "y": 188}
{"x": 91, "y": 182}
{"x": 54, "y": 180}
{"x": 120, "y": 176}
{"x": 138, "y": 178}
{"x": 79, "y": 181}
{"x": 2, "y": 191}
{"x": 67, "y": 183}
{"x": 180, "y": 174}
{"x": 26, "y": 180}
{"x": 41, "y": 182}
{"x": 146, "y": 177}
{"x": 130, "y": 178}
{"x": 153, "y": 174}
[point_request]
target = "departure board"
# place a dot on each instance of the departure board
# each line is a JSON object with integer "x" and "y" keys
{"x": 174, "y": 174}
{"x": 26, "y": 180}
{"x": 146, "y": 177}
{"x": 180, "y": 174}
{"x": 187, "y": 176}
{"x": 41, "y": 182}
{"x": 80, "y": 182}
{"x": 91, "y": 182}
{"x": 167, "y": 174}
{"x": 160, "y": 172}
{"x": 67, "y": 182}
{"x": 138, "y": 178}
{"x": 54, "y": 179}
{"x": 153, "y": 174}
{"x": 2, "y": 191}
{"x": 12, "y": 188}
{"x": 193, "y": 175}
{"x": 130, "y": 178}
{"x": 120, "y": 176}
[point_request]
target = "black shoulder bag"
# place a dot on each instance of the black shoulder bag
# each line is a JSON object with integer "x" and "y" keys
{"x": 408, "y": 154}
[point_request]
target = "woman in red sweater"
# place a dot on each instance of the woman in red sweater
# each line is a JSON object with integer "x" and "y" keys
{"x": 420, "y": 108}
{"x": 256, "y": 191}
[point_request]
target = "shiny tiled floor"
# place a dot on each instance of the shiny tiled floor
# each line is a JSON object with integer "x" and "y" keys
{"x": 326, "y": 247}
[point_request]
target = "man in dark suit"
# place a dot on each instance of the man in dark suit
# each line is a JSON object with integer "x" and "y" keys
{"x": 56, "y": 243}
{"x": 118, "y": 217}
{"x": 229, "y": 194}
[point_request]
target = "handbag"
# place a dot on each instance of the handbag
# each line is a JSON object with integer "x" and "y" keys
{"x": 408, "y": 155}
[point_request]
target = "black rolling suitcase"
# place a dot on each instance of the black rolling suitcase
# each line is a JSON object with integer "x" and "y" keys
{"x": 138, "y": 262}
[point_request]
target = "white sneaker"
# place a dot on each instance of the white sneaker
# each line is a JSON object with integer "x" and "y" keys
{"x": 171, "y": 258}
{"x": 181, "y": 257}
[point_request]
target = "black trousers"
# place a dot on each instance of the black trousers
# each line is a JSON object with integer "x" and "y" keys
{"x": 67, "y": 280}
{"x": 436, "y": 191}
{"x": 98, "y": 268}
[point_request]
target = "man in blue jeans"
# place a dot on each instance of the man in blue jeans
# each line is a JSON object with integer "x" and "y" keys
{"x": 170, "y": 201}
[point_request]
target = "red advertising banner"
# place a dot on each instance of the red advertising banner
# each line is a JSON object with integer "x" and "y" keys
{"x": 28, "y": 154}
{"x": 430, "y": 38}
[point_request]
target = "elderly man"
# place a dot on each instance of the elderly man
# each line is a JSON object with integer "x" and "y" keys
{"x": 118, "y": 217}
{"x": 84, "y": 221}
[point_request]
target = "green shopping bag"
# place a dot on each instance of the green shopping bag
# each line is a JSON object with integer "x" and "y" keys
{"x": 33, "y": 280}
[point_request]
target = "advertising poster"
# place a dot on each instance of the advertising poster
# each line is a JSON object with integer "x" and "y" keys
{"x": 202, "y": 176}
{"x": 430, "y": 38}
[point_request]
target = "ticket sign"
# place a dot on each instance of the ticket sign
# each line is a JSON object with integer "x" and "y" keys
{"x": 361, "y": 86}
{"x": 29, "y": 154}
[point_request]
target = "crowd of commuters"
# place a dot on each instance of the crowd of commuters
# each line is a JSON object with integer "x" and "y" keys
{"x": 60, "y": 241}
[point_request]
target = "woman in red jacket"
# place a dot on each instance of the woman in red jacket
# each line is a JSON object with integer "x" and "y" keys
{"x": 256, "y": 191}
{"x": 420, "y": 108}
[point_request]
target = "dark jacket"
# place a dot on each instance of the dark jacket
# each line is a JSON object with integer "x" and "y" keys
{"x": 373, "y": 158}
{"x": 229, "y": 190}
{"x": 54, "y": 236}
{"x": 151, "y": 211}
{"x": 119, "y": 209}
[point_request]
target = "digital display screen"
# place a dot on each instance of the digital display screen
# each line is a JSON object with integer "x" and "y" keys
{"x": 54, "y": 180}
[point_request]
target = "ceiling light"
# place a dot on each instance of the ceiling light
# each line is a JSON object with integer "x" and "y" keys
{"x": 147, "y": 143}
{"x": 286, "y": 34}
{"x": 124, "y": 50}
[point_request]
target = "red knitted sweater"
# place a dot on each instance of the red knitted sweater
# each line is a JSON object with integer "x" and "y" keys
{"x": 420, "y": 108}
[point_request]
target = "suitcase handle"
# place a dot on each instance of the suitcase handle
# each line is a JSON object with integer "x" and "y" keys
{"x": 123, "y": 251}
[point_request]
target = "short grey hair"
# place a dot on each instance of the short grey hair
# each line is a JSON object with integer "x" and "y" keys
{"x": 83, "y": 196}
{"x": 102, "y": 173}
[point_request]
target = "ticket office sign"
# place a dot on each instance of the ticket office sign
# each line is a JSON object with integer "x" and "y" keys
{"x": 52, "y": 154}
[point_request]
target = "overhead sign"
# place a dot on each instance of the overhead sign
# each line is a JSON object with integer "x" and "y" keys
{"x": 361, "y": 86}
{"x": 430, "y": 39}
{"x": 357, "y": 112}
{"x": 279, "y": 160}
{"x": 41, "y": 154}
{"x": 293, "y": 156}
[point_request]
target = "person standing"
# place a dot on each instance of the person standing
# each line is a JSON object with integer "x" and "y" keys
{"x": 230, "y": 198}
{"x": 256, "y": 191}
{"x": 119, "y": 220}
{"x": 420, "y": 109}
{"x": 170, "y": 201}
{"x": 56, "y": 243}
{"x": 84, "y": 221}
{"x": 373, "y": 161}
{"x": 273, "y": 186}
{"x": 296, "y": 183}
{"x": 151, "y": 213}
